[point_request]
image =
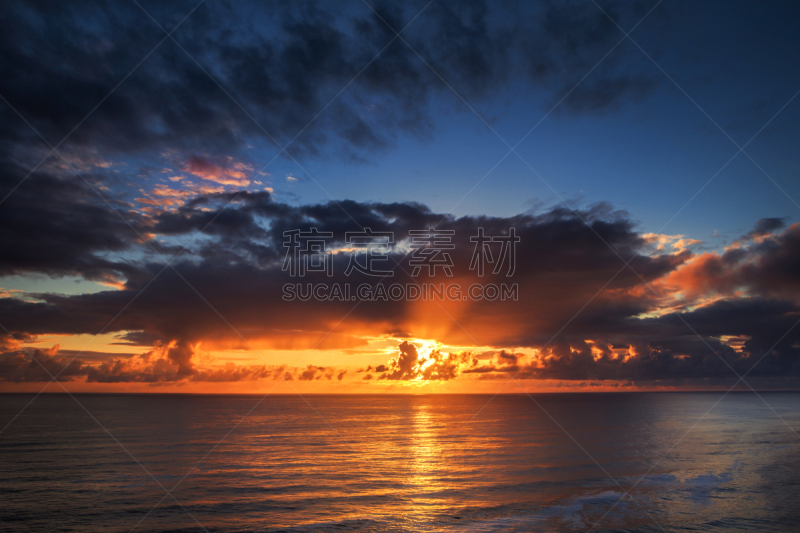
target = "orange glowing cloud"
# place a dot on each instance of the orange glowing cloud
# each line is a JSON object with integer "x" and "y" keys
{"x": 702, "y": 275}
{"x": 230, "y": 174}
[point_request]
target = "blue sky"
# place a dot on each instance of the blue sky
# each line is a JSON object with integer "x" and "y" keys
{"x": 647, "y": 155}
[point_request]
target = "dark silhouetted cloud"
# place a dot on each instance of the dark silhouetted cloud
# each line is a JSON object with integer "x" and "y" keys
{"x": 283, "y": 62}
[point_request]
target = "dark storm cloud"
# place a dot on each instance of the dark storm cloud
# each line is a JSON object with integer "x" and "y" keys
{"x": 665, "y": 348}
{"x": 60, "y": 227}
{"x": 284, "y": 62}
{"x": 563, "y": 259}
{"x": 237, "y": 268}
{"x": 766, "y": 226}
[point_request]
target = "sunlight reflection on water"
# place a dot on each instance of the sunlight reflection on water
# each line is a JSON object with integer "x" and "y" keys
{"x": 403, "y": 463}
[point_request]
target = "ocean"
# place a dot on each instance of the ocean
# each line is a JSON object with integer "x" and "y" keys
{"x": 636, "y": 462}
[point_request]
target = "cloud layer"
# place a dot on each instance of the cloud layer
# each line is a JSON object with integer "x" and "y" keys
{"x": 247, "y": 73}
{"x": 621, "y": 323}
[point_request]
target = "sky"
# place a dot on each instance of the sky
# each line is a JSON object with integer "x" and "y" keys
{"x": 152, "y": 157}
